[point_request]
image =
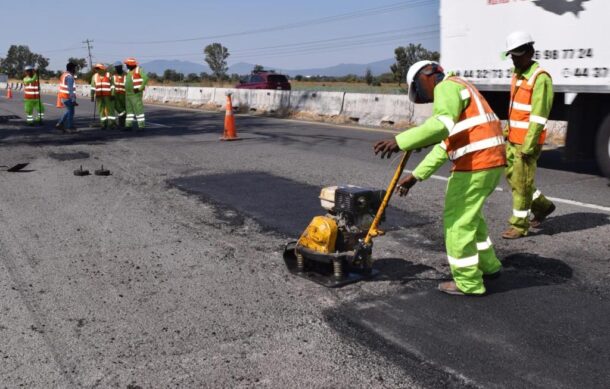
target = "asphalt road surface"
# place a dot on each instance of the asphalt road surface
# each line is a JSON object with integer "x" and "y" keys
{"x": 169, "y": 272}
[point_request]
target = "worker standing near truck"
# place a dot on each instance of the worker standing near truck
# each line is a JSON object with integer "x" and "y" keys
{"x": 466, "y": 131}
{"x": 531, "y": 99}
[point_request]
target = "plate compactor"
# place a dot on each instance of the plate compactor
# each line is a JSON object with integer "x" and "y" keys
{"x": 336, "y": 249}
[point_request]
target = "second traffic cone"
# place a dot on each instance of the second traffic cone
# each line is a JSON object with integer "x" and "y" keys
{"x": 229, "y": 133}
{"x": 59, "y": 104}
{"x": 9, "y": 93}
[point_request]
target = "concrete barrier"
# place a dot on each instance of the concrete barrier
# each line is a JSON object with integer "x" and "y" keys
{"x": 272, "y": 101}
{"x": 319, "y": 103}
{"x": 200, "y": 96}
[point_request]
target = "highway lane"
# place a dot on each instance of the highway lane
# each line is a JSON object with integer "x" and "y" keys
{"x": 542, "y": 324}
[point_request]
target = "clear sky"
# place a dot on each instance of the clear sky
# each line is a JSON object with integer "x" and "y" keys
{"x": 281, "y": 34}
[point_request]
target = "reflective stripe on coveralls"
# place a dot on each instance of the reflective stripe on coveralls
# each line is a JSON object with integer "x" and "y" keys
{"x": 118, "y": 84}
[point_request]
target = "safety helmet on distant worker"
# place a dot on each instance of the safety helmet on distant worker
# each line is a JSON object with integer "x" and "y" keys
{"x": 515, "y": 40}
{"x": 118, "y": 64}
{"x": 414, "y": 71}
{"x": 130, "y": 61}
{"x": 28, "y": 67}
{"x": 100, "y": 66}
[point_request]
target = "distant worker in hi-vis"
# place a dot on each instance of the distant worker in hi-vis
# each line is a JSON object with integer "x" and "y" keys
{"x": 101, "y": 93}
{"x": 531, "y": 99}
{"x": 31, "y": 97}
{"x": 135, "y": 83}
{"x": 118, "y": 91}
{"x": 464, "y": 130}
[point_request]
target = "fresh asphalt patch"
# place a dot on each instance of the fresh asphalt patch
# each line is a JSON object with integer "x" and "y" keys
{"x": 276, "y": 203}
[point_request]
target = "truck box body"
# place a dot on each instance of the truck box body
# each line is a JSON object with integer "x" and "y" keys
{"x": 571, "y": 40}
{"x": 571, "y": 44}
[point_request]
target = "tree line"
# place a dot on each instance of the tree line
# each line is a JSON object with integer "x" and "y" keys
{"x": 215, "y": 55}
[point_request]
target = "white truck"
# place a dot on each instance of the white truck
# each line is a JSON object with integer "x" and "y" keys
{"x": 571, "y": 44}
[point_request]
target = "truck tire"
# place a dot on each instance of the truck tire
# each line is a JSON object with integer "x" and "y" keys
{"x": 602, "y": 147}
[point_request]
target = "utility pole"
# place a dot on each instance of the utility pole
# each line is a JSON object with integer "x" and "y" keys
{"x": 88, "y": 42}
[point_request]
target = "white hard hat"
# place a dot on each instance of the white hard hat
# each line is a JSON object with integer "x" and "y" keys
{"x": 28, "y": 67}
{"x": 517, "y": 39}
{"x": 412, "y": 72}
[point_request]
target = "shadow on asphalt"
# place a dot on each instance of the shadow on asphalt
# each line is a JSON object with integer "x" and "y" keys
{"x": 182, "y": 123}
{"x": 530, "y": 330}
{"x": 571, "y": 222}
{"x": 555, "y": 160}
{"x": 401, "y": 270}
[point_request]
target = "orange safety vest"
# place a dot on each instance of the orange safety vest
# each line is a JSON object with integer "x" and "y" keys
{"x": 64, "y": 92}
{"x": 475, "y": 142}
{"x": 519, "y": 115}
{"x": 119, "y": 84}
{"x": 137, "y": 78}
{"x": 30, "y": 91}
{"x": 102, "y": 85}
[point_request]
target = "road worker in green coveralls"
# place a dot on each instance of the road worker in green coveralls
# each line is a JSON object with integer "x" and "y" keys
{"x": 465, "y": 130}
{"x": 101, "y": 92}
{"x": 531, "y": 99}
{"x": 31, "y": 97}
{"x": 135, "y": 83}
{"x": 118, "y": 91}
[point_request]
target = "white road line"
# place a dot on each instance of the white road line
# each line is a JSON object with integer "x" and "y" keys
{"x": 48, "y": 105}
{"x": 555, "y": 199}
{"x": 156, "y": 125}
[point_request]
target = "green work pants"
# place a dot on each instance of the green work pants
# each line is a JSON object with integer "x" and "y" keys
{"x": 105, "y": 107}
{"x": 520, "y": 175}
{"x": 469, "y": 248}
{"x": 30, "y": 106}
{"x": 135, "y": 110}
{"x": 119, "y": 107}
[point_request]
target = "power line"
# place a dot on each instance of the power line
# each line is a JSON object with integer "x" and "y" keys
{"x": 311, "y": 22}
{"x": 314, "y": 46}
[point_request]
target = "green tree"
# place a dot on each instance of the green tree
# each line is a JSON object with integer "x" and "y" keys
{"x": 407, "y": 56}
{"x": 216, "y": 57}
{"x": 80, "y": 63}
{"x": 192, "y": 77}
{"x": 17, "y": 57}
{"x": 298, "y": 77}
{"x": 368, "y": 76}
{"x": 258, "y": 68}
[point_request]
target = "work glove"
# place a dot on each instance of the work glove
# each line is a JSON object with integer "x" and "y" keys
{"x": 92, "y": 98}
{"x": 111, "y": 98}
{"x": 405, "y": 184}
{"x": 386, "y": 148}
{"x": 525, "y": 157}
{"x": 136, "y": 91}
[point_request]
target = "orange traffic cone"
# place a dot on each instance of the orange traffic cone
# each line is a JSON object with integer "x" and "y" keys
{"x": 230, "y": 132}
{"x": 9, "y": 93}
{"x": 59, "y": 104}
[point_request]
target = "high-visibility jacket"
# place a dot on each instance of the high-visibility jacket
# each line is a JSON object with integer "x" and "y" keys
{"x": 64, "y": 91}
{"x": 118, "y": 84}
{"x": 137, "y": 80}
{"x": 520, "y": 116}
{"x": 476, "y": 141}
{"x": 101, "y": 85}
{"x": 31, "y": 88}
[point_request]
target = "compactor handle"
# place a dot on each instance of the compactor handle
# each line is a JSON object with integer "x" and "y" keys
{"x": 386, "y": 199}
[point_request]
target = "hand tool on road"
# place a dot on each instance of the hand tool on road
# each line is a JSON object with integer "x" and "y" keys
{"x": 80, "y": 172}
{"x": 14, "y": 168}
{"x": 102, "y": 172}
{"x": 336, "y": 249}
